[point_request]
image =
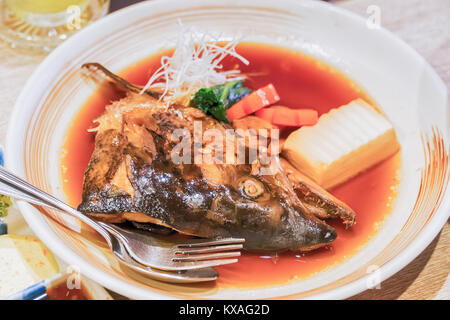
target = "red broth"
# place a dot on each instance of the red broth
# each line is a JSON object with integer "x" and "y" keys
{"x": 302, "y": 82}
{"x": 61, "y": 292}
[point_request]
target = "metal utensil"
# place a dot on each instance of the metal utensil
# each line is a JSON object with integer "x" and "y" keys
{"x": 183, "y": 276}
{"x": 14, "y": 186}
{"x": 184, "y": 255}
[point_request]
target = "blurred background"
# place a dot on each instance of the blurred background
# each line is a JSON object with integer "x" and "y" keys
{"x": 117, "y": 4}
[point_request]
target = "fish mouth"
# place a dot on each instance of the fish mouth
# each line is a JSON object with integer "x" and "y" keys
{"x": 326, "y": 235}
{"x": 311, "y": 232}
{"x": 330, "y": 235}
{"x": 297, "y": 230}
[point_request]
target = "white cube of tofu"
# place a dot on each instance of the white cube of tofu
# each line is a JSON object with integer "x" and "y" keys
{"x": 345, "y": 141}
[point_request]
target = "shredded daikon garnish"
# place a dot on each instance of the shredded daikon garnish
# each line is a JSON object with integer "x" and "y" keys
{"x": 195, "y": 64}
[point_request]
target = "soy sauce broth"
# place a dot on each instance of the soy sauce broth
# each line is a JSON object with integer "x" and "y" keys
{"x": 61, "y": 292}
{"x": 302, "y": 82}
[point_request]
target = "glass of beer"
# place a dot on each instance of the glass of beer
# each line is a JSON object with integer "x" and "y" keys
{"x": 41, "y": 25}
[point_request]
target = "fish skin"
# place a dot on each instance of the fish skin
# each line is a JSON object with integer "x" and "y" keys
{"x": 205, "y": 201}
{"x": 235, "y": 217}
{"x": 105, "y": 160}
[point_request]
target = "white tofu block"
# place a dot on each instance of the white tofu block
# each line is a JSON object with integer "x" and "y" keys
{"x": 345, "y": 141}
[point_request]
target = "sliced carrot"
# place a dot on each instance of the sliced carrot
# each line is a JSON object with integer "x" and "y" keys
{"x": 295, "y": 118}
{"x": 284, "y": 116}
{"x": 266, "y": 114}
{"x": 256, "y": 100}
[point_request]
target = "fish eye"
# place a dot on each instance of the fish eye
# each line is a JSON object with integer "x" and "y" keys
{"x": 251, "y": 187}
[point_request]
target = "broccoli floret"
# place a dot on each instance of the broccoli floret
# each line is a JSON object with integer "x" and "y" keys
{"x": 216, "y": 100}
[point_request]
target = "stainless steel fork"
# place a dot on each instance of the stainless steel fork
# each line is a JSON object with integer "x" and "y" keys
{"x": 117, "y": 247}
{"x": 143, "y": 248}
{"x": 169, "y": 254}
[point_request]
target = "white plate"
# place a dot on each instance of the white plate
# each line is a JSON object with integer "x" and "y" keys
{"x": 404, "y": 85}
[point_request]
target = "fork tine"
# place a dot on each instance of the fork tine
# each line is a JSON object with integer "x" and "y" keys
{"x": 207, "y": 256}
{"x": 226, "y": 247}
{"x": 204, "y": 243}
{"x": 191, "y": 265}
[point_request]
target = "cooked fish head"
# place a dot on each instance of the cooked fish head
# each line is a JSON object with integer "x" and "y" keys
{"x": 131, "y": 176}
{"x": 270, "y": 216}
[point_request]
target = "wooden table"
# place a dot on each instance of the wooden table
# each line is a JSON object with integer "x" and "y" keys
{"x": 422, "y": 24}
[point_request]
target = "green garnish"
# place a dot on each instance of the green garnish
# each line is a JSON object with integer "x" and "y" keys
{"x": 216, "y": 100}
{"x": 5, "y": 203}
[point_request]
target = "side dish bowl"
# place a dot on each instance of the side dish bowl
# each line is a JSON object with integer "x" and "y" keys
{"x": 403, "y": 85}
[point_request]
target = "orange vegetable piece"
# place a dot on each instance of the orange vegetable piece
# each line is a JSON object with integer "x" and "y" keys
{"x": 256, "y": 100}
{"x": 284, "y": 116}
